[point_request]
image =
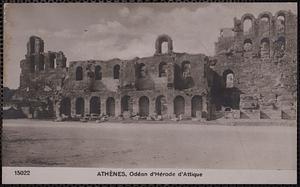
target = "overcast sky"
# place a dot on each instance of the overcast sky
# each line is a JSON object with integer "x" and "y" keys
{"x": 105, "y": 31}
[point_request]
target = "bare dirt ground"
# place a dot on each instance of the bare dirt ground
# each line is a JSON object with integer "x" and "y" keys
{"x": 27, "y": 143}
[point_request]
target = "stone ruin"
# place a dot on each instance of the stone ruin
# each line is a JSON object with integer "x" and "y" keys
{"x": 252, "y": 76}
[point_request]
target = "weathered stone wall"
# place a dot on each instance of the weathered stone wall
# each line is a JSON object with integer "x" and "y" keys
{"x": 266, "y": 73}
{"x": 253, "y": 75}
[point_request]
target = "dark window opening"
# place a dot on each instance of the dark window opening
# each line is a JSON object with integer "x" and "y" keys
{"x": 79, "y": 73}
{"x": 110, "y": 106}
{"x": 79, "y": 106}
{"x": 179, "y": 105}
{"x": 95, "y": 106}
{"x": 144, "y": 106}
{"x": 98, "y": 74}
{"x": 162, "y": 69}
{"x": 116, "y": 71}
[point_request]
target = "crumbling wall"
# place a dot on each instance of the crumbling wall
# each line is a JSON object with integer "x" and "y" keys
{"x": 265, "y": 70}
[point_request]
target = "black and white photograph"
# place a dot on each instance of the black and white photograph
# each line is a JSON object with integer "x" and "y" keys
{"x": 133, "y": 87}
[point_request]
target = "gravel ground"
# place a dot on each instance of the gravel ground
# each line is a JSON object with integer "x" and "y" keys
{"x": 27, "y": 143}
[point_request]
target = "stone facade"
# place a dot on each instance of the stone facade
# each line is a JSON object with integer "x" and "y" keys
{"x": 253, "y": 75}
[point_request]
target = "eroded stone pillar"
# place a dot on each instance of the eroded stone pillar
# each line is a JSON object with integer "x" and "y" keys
{"x": 118, "y": 107}
{"x": 135, "y": 105}
{"x": 204, "y": 107}
{"x": 188, "y": 107}
{"x": 151, "y": 106}
{"x": 86, "y": 106}
{"x": 73, "y": 107}
{"x": 170, "y": 108}
{"x": 103, "y": 105}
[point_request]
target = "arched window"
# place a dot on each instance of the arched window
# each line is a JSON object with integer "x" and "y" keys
{"x": 125, "y": 102}
{"x": 144, "y": 106}
{"x": 98, "y": 73}
{"x": 228, "y": 77}
{"x": 117, "y": 71}
{"x": 179, "y": 105}
{"x": 79, "y": 73}
{"x": 248, "y": 45}
{"x": 265, "y": 48}
{"x": 141, "y": 70}
{"x": 264, "y": 24}
{"x": 65, "y": 106}
{"x": 79, "y": 106}
{"x": 280, "y": 23}
{"x": 166, "y": 40}
{"x": 162, "y": 72}
{"x": 186, "y": 69}
{"x": 196, "y": 106}
{"x": 95, "y": 106}
{"x": 164, "y": 47}
{"x": 247, "y": 25}
{"x": 110, "y": 106}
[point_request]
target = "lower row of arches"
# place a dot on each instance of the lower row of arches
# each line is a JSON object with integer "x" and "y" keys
{"x": 161, "y": 105}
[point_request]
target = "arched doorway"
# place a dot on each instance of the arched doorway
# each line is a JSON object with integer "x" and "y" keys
{"x": 79, "y": 106}
{"x": 179, "y": 105}
{"x": 110, "y": 106}
{"x": 144, "y": 106}
{"x": 161, "y": 105}
{"x": 95, "y": 107}
{"x": 65, "y": 106}
{"x": 125, "y": 102}
{"x": 196, "y": 105}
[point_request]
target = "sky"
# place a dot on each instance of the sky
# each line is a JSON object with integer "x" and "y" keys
{"x": 105, "y": 31}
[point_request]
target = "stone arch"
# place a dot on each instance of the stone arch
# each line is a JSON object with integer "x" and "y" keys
{"x": 196, "y": 105}
{"x": 161, "y": 105}
{"x": 65, "y": 106}
{"x": 247, "y": 45}
{"x": 110, "y": 106}
{"x": 79, "y": 73}
{"x": 117, "y": 71}
{"x": 265, "y": 48}
{"x": 98, "y": 73}
{"x": 246, "y": 17}
{"x": 162, "y": 69}
{"x": 264, "y": 19}
{"x": 144, "y": 106}
{"x": 265, "y": 14}
{"x": 280, "y": 21}
{"x": 179, "y": 105}
{"x": 228, "y": 77}
{"x": 125, "y": 103}
{"x": 79, "y": 106}
{"x": 158, "y": 44}
{"x": 95, "y": 105}
{"x": 281, "y": 13}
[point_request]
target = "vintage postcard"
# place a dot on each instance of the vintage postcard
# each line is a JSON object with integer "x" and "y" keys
{"x": 150, "y": 93}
